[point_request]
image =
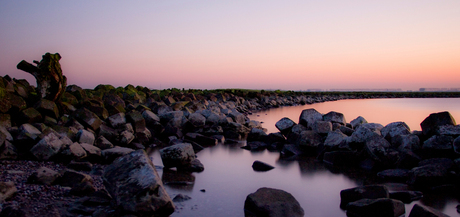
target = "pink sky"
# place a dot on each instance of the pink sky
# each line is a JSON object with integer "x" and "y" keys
{"x": 295, "y": 45}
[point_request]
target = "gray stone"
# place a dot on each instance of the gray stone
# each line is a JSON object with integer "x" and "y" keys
{"x": 358, "y": 121}
{"x": 7, "y": 191}
{"x": 448, "y": 130}
{"x": 431, "y": 124}
{"x": 335, "y": 117}
{"x": 84, "y": 136}
{"x": 136, "y": 187}
{"x": 112, "y": 153}
{"x": 406, "y": 196}
{"x": 322, "y": 127}
{"x": 43, "y": 176}
{"x": 437, "y": 146}
{"x": 392, "y": 130}
{"x": 136, "y": 120}
{"x": 125, "y": 138}
{"x": 91, "y": 150}
{"x": 309, "y": 116}
{"x": 407, "y": 142}
{"x": 197, "y": 120}
{"x": 309, "y": 140}
{"x": 103, "y": 143}
{"x": 238, "y": 117}
{"x": 150, "y": 118}
{"x": 47, "y": 147}
{"x": 88, "y": 118}
{"x": 424, "y": 211}
{"x": 257, "y": 135}
{"x": 399, "y": 175}
{"x": 73, "y": 151}
{"x": 272, "y": 202}
{"x": 336, "y": 140}
{"x": 179, "y": 155}
{"x": 117, "y": 120}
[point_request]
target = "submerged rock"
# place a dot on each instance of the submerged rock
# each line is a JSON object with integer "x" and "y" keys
{"x": 272, "y": 202}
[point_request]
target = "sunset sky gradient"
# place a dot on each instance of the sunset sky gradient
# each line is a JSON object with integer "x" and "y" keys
{"x": 289, "y": 45}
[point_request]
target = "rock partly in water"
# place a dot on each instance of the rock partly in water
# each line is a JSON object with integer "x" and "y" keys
{"x": 381, "y": 207}
{"x": 261, "y": 166}
{"x": 272, "y": 202}
{"x": 364, "y": 192}
{"x": 424, "y": 211}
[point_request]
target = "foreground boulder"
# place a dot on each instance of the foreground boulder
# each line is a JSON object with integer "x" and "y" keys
{"x": 179, "y": 155}
{"x": 382, "y": 207}
{"x": 272, "y": 202}
{"x": 431, "y": 124}
{"x": 136, "y": 187}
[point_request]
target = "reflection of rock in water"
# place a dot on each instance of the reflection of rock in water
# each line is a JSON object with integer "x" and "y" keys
{"x": 309, "y": 165}
{"x": 178, "y": 179}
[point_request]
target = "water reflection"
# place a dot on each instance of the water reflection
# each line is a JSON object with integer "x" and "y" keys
{"x": 180, "y": 180}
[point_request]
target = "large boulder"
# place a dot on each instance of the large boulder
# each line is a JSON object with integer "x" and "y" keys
{"x": 357, "y": 121}
{"x": 88, "y": 118}
{"x": 136, "y": 120}
{"x": 382, "y": 207}
{"x": 392, "y": 130}
{"x": 196, "y": 120}
{"x": 84, "y": 136}
{"x": 336, "y": 140}
{"x": 272, "y": 203}
{"x": 309, "y": 116}
{"x": 322, "y": 127}
{"x": 285, "y": 125}
{"x": 136, "y": 187}
{"x": 47, "y": 147}
{"x": 431, "y": 124}
{"x": 111, "y": 154}
{"x": 47, "y": 108}
{"x": 309, "y": 140}
{"x": 335, "y": 117}
{"x": 179, "y": 155}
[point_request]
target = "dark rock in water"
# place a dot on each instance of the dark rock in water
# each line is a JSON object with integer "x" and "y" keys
{"x": 290, "y": 150}
{"x": 272, "y": 202}
{"x": 257, "y": 135}
{"x": 179, "y": 155}
{"x": 335, "y": 117}
{"x": 427, "y": 175}
{"x": 376, "y": 147}
{"x": 398, "y": 175}
{"x": 285, "y": 125}
{"x": 261, "y": 166}
{"x": 309, "y": 116}
{"x": 195, "y": 166}
{"x": 181, "y": 198}
{"x": 406, "y": 196}
{"x": 431, "y": 124}
{"x": 51, "y": 83}
{"x": 309, "y": 140}
{"x": 135, "y": 186}
{"x": 444, "y": 164}
{"x": 424, "y": 211}
{"x": 201, "y": 140}
{"x": 336, "y": 140}
{"x": 382, "y": 207}
{"x": 364, "y": 192}
{"x": 255, "y": 146}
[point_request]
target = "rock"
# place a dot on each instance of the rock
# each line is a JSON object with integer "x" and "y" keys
{"x": 448, "y": 130}
{"x": 135, "y": 186}
{"x": 360, "y": 136}
{"x": 336, "y": 140}
{"x": 424, "y": 211}
{"x": 136, "y": 120}
{"x": 382, "y": 207}
{"x": 374, "y": 127}
{"x": 84, "y": 136}
{"x": 73, "y": 152}
{"x": 112, "y": 153}
{"x": 51, "y": 83}
{"x": 125, "y": 138}
{"x": 309, "y": 116}
{"x": 93, "y": 152}
{"x": 392, "y": 130}
{"x": 83, "y": 188}
{"x": 27, "y": 135}
{"x": 406, "y": 142}
{"x": 43, "y": 176}
{"x": 358, "y": 121}
{"x": 150, "y": 118}
{"x": 408, "y": 160}
{"x": 80, "y": 166}
{"x": 406, "y": 196}
{"x": 309, "y": 140}
{"x": 340, "y": 158}
{"x": 238, "y": 117}
{"x": 364, "y": 192}
{"x": 290, "y": 150}
{"x": 7, "y": 191}
{"x": 346, "y": 130}
{"x": 71, "y": 178}
{"x": 103, "y": 143}
{"x": 427, "y": 176}
{"x": 47, "y": 147}
{"x": 179, "y": 155}
{"x": 272, "y": 202}
{"x": 47, "y": 108}
{"x": 456, "y": 145}
{"x": 438, "y": 146}
{"x": 197, "y": 120}
{"x": 399, "y": 175}
{"x": 376, "y": 147}
{"x": 322, "y": 127}
{"x": 117, "y": 119}
{"x": 261, "y": 166}
{"x": 255, "y": 146}
{"x": 181, "y": 198}
{"x": 29, "y": 115}
{"x": 168, "y": 116}
{"x": 257, "y": 135}
{"x": 431, "y": 124}
{"x": 8, "y": 151}
{"x": 285, "y": 125}
{"x": 195, "y": 166}
{"x": 88, "y": 118}
{"x": 13, "y": 211}
{"x": 335, "y": 117}
{"x": 201, "y": 140}
{"x": 111, "y": 134}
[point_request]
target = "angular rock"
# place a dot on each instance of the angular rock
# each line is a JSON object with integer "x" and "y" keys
{"x": 431, "y": 124}
{"x": 125, "y": 138}
{"x": 135, "y": 186}
{"x": 238, "y": 117}
{"x": 406, "y": 142}
{"x": 272, "y": 202}
{"x": 360, "y": 136}
{"x": 335, "y": 117}
{"x": 8, "y": 151}
{"x": 88, "y": 118}
{"x": 427, "y": 176}
{"x": 29, "y": 115}
{"x": 309, "y": 116}
{"x": 406, "y": 196}
{"x": 261, "y": 166}
{"x": 358, "y": 121}
{"x": 438, "y": 146}
{"x": 70, "y": 178}
{"x": 47, "y": 108}
{"x": 322, "y": 127}
{"x": 179, "y": 155}
{"x": 257, "y": 135}
{"x": 424, "y": 211}
{"x": 285, "y": 125}
{"x": 376, "y": 148}
{"x": 197, "y": 120}
{"x": 448, "y": 130}
{"x": 309, "y": 140}
{"x": 382, "y": 207}
{"x": 84, "y": 136}
{"x": 393, "y": 130}
{"x": 150, "y": 118}
{"x": 43, "y": 176}
{"x": 47, "y": 147}
{"x": 111, "y": 134}
{"x": 102, "y": 143}
{"x": 112, "y": 153}
{"x": 399, "y": 175}
{"x": 364, "y": 192}
{"x": 136, "y": 120}
{"x": 201, "y": 140}
{"x": 255, "y": 146}
{"x": 73, "y": 152}
{"x": 290, "y": 150}
{"x": 91, "y": 150}
{"x": 117, "y": 119}
{"x": 336, "y": 140}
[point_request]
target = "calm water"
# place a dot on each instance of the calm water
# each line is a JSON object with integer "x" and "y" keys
{"x": 228, "y": 176}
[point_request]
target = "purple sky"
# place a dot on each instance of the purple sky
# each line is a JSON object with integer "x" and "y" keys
{"x": 295, "y": 45}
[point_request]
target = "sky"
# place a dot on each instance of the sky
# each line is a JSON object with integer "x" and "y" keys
{"x": 288, "y": 45}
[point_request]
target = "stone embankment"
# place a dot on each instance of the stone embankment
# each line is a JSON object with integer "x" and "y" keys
{"x": 69, "y": 153}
